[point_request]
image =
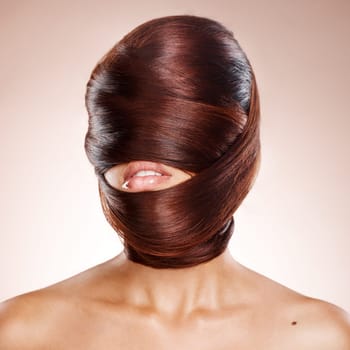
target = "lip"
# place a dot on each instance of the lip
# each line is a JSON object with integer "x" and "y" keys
{"x": 136, "y": 166}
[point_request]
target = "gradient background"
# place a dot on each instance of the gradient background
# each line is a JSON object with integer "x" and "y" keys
{"x": 294, "y": 224}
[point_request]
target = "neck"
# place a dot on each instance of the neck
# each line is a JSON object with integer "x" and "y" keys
{"x": 184, "y": 291}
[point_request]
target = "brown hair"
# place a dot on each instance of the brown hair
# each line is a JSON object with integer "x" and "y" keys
{"x": 177, "y": 90}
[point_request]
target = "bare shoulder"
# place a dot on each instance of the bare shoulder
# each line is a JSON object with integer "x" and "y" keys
{"x": 31, "y": 320}
{"x": 24, "y": 318}
{"x": 325, "y": 324}
{"x": 305, "y": 322}
{"x": 295, "y": 321}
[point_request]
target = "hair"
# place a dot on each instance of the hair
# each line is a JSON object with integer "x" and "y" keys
{"x": 177, "y": 90}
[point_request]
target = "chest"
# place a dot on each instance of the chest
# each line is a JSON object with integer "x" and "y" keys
{"x": 151, "y": 335}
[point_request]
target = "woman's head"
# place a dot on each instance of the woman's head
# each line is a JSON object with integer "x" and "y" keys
{"x": 177, "y": 91}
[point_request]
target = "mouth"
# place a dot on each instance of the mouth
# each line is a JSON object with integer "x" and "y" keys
{"x": 143, "y": 175}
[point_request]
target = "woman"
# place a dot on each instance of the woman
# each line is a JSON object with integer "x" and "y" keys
{"x": 174, "y": 140}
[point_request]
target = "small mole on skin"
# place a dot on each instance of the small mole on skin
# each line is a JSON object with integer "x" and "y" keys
{"x": 293, "y": 323}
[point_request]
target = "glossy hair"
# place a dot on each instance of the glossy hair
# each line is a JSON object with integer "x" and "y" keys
{"x": 177, "y": 90}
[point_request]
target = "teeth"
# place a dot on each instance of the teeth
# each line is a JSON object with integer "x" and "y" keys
{"x": 147, "y": 173}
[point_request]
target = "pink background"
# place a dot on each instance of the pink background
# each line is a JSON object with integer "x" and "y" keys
{"x": 294, "y": 224}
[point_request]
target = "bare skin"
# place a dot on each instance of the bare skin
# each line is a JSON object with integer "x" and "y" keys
{"x": 219, "y": 305}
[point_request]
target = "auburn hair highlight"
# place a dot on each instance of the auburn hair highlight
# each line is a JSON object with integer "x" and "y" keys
{"x": 177, "y": 90}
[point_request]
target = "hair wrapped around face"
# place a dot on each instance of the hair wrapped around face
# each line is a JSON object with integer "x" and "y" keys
{"x": 177, "y": 90}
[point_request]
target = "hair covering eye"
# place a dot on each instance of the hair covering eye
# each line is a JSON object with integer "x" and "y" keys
{"x": 177, "y": 90}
